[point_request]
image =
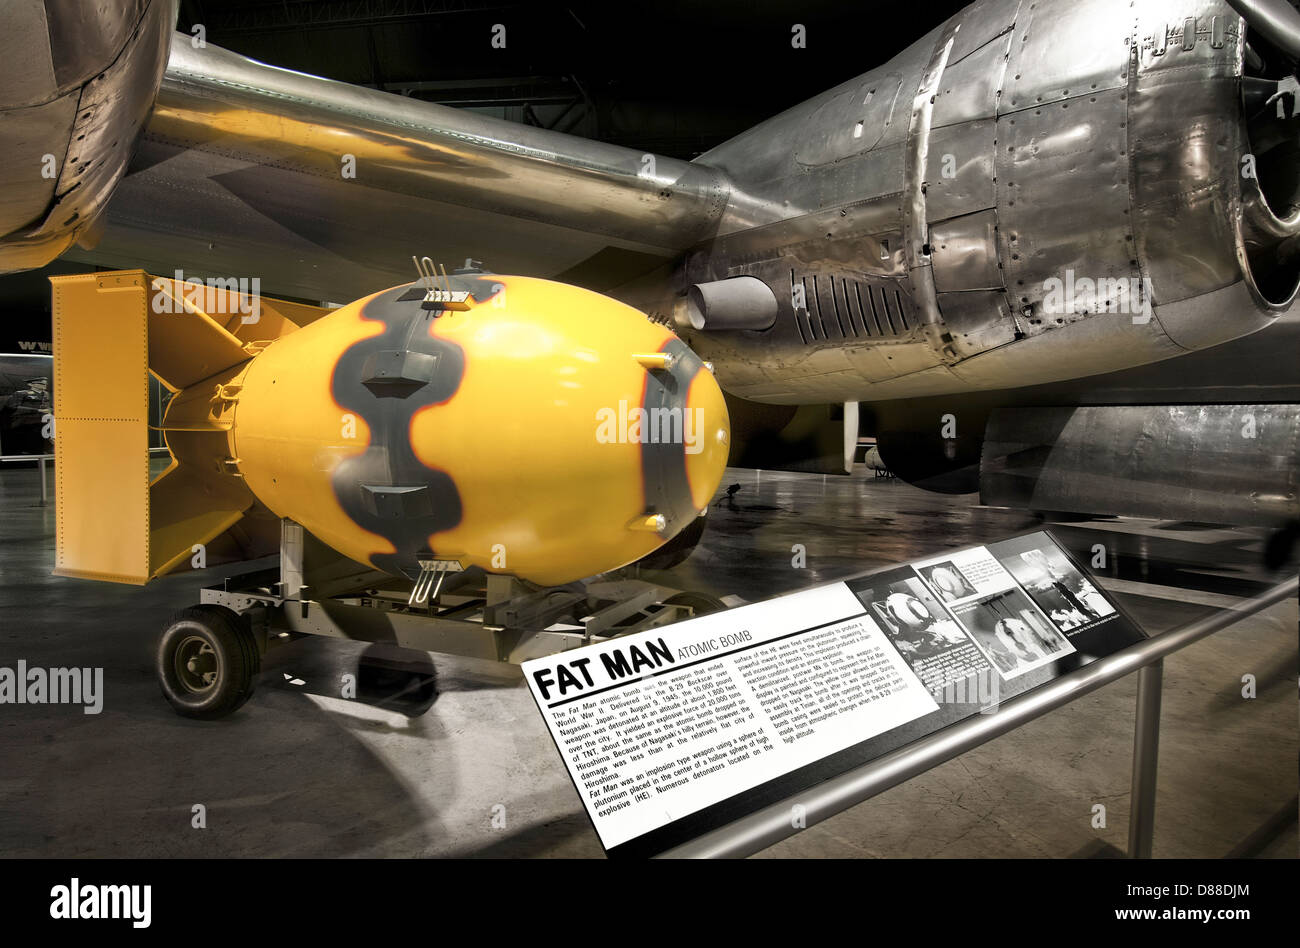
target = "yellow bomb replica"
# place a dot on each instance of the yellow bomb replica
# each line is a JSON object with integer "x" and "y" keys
{"x": 523, "y": 426}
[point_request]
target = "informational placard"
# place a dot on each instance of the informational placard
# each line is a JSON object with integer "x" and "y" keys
{"x": 671, "y": 732}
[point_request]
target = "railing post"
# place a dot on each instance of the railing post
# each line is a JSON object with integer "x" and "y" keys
{"x": 1146, "y": 753}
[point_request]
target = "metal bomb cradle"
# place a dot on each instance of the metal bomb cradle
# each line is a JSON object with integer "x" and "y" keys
{"x": 316, "y": 591}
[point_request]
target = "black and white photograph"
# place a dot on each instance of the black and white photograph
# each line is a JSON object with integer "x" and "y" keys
{"x": 1068, "y": 598}
{"x": 1012, "y": 633}
{"x": 936, "y": 647}
{"x": 947, "y": 581}
{"x": 913, "y": 620}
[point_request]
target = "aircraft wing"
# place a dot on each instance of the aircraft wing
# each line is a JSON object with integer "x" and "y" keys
{"x": 325, "y": 190}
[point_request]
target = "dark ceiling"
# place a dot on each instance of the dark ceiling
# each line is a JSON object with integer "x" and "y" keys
{"x": 670, "y": 77}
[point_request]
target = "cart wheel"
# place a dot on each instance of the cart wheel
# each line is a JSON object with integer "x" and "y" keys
{"x": 701, "y": 604}
{"x": 207, "y": 662}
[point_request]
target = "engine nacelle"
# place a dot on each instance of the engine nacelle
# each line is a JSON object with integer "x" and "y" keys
{"x": 77, "y": 81}
{"x": 1031, "y": 193}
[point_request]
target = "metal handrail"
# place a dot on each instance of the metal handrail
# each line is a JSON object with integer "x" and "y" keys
{"x": 776, "y": 822}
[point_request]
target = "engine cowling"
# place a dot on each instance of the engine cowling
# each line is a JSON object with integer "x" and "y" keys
{"x": 1031, "y": 193}
{"x": 77, "y": 82}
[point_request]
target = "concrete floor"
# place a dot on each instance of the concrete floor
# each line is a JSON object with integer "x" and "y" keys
{"x": 299, "y": 772}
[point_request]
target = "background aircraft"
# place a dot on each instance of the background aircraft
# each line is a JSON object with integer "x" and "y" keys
{"x": 26, "y": 403}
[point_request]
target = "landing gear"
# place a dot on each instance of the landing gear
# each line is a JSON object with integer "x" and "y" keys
{"x": 207, "y": 661}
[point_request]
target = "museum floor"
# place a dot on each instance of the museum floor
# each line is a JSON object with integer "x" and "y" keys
{"x": 297, "y": 772}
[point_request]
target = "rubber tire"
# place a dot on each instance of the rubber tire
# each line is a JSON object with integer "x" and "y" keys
{"x": 238, "y": 661}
